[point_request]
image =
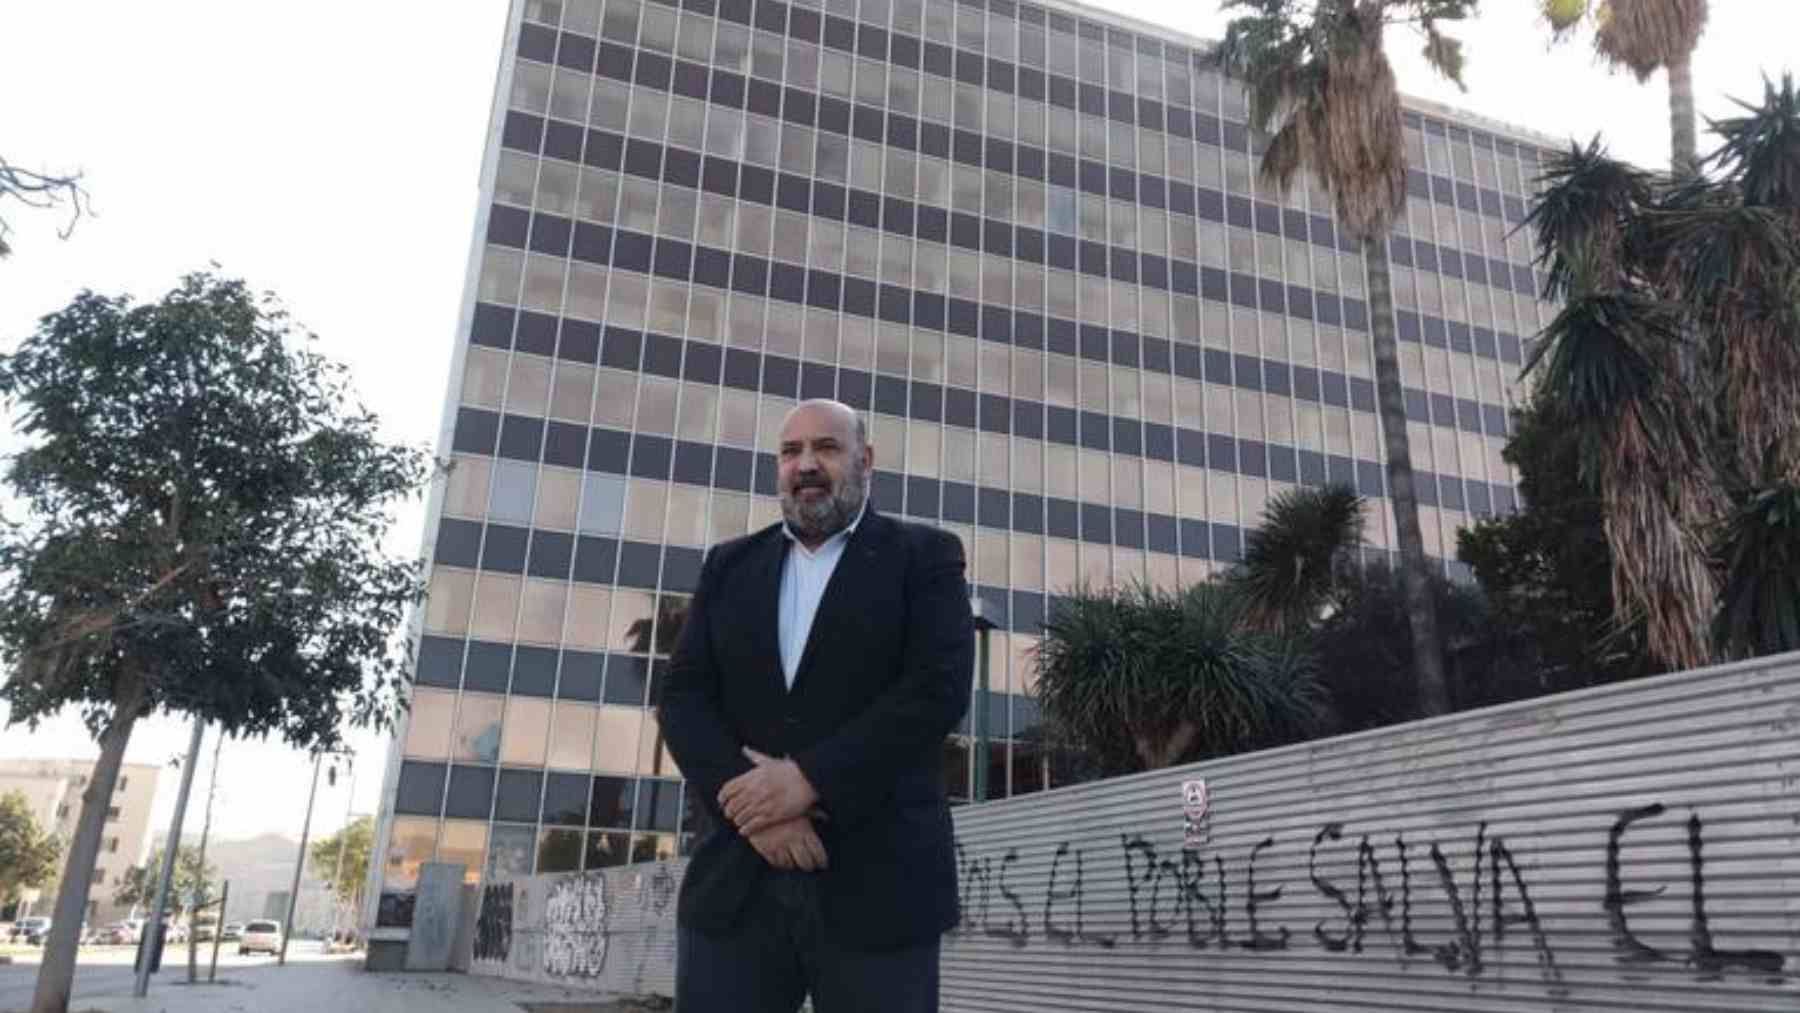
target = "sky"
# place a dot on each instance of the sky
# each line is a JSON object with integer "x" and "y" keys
{"x": 330, "y": 151}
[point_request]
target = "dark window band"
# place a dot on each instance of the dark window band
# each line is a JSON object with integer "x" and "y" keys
{"x": 1027, "y": 161}
{"x": 752, "y": 275}
{"x": 1008, "y": 77}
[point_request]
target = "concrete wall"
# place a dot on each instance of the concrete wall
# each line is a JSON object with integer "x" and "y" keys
{"x": 437, "y": 917}
{"x": 609, "y": 931}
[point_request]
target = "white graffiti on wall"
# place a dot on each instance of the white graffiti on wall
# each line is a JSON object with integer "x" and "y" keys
{"x": 575, "y": 927}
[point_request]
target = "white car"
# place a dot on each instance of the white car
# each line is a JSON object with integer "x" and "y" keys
{"x": 31, "y": 931}
{"x": 260, "y": 937}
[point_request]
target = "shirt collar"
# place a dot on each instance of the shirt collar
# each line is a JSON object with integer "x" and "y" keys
{"x": 840, "y": 536}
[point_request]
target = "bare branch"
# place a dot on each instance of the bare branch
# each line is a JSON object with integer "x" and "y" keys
{"x": 42, "y": 190}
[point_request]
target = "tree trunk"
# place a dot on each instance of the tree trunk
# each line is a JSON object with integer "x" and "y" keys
{"x": 56, "y": 976}
{"x": 1415, "y": 571}
{"x": 1684, "y": 153}
{"x": 1156, "y": 753}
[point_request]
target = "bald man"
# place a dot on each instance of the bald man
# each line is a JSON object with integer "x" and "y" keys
{"x": 823, "y": 662}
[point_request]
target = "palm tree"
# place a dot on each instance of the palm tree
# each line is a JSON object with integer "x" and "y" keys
{"x": 1760, "y": 608}
{"x": 1295, "y": 562}
{"x": 1143, "y": 678}
{"x": 1675, "y": 362}
{"x": 1320, "y": 84}
{"x": 1645, "y": 36}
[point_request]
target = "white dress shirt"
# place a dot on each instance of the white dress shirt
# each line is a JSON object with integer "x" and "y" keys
{"x": 804, "y": 575}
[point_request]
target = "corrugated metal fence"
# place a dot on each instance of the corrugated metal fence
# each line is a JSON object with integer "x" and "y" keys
{"x": 1633, "y": 847}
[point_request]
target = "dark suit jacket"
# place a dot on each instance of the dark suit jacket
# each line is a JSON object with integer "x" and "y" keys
{"x": 885, "y": 676}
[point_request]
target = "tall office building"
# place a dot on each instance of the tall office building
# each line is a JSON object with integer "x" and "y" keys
{"x": 1027, "y": 239}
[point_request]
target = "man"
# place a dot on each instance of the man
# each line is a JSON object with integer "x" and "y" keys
{"x": 823, "y": 661}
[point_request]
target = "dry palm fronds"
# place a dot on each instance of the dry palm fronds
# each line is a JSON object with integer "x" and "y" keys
{"x": 1644, "y": 35}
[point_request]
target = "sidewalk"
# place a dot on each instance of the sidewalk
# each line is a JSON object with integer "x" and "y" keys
{"x": 331, "y": 983}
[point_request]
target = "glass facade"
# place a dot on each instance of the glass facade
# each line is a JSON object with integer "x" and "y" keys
{"x": 1029, "y": 243}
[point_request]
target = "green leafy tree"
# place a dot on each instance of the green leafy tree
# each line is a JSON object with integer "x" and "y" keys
{"x": 342, "y": 860}
{"x": 1644, "y": 36}
{"x": 1546, "y": 569}
{"x": 1674, "y": 366}
{"x": 1370, "y": 653}
{"x": 28, "y": 853}
{"x": 1144, "y": 678}
{"x": 206, "y": 504}
{"x": 137, "y": 885}
{"x": 1319, "y": 84}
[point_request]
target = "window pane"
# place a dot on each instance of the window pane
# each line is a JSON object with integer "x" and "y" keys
{"x": 541, "y": 611}
{"x": 510, "y": 852}
{"x": 496, "y": 607}
{"x": 602, "y": 504}
{"x": 572, "y": 735}
{"x": 447, "y": 605}
{"x": 615, "y": 742}
{"x": 606, "y": 849}
{"x": 589, "y": 607}
{"x": 527, "y": 722}
{"x": 428, "y": 724}
{"x": 465, "y": 842}
{"x": 515, "y": 485}
{"x": 411, "y": 844}
{"x": 477, "y": 734}
{"x": 559, "y": 851}
{"x": 466, "y": 486}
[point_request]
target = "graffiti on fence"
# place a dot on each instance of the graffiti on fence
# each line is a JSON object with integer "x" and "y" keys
{"x": 1186, "y": 897}
{"x": 575, "y": 927}
{"x": 494, "y": 926}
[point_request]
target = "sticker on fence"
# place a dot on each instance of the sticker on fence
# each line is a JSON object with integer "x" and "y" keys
{"x": 1196, "y": 807}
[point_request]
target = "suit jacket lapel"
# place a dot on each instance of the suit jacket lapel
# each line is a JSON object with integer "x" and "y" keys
{"x": 766, "y": 611}
{"x": 847, "y": 590}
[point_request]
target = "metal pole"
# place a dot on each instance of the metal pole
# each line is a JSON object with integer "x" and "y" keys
{"x": 154, "y": 926}
{"x": 978, "y": 788}
{"x": 337, "y": 869}
{"x": 212, "y": 792}
{"x": 212, "y": 973}
{"x": 981, "y": 721}
{"x": 287, "y": 929}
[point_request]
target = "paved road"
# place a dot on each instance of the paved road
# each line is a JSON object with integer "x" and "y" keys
{"x": 309, "y": 983}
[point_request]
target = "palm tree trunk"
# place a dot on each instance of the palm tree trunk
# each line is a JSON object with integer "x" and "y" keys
{"x": 1415, "y": 579}
{"x": 1684, "y": 154}
{"x": 56, "y": 975}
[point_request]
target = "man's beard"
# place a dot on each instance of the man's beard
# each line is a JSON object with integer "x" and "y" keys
{"x": 819, "y": 519}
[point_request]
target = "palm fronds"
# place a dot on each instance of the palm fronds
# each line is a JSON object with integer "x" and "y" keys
{"x": 1293, "y": 560}
{"x": 1582, "y": 216}
{"x": 1142, "y": 678}
{"x": 1646, "y": 35}
{"x": 1760, "y": 151}
{"x": 1759, "y": 553}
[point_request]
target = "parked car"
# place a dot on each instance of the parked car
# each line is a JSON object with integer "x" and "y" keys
{"x": 31, "y": 931}
{"x": 260, "y": 937}
{"x": 122, "y": 933}
{"x": 232, "y": 932}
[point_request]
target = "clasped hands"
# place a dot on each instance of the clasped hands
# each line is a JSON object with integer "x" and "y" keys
{"x": 772, "y": 805}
